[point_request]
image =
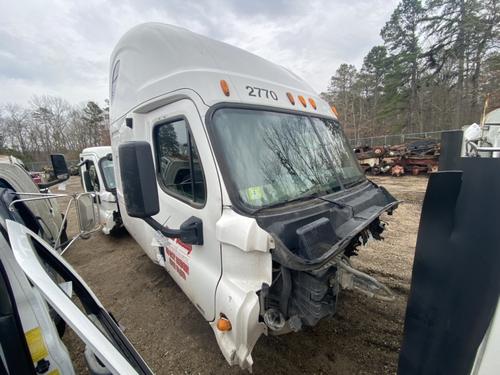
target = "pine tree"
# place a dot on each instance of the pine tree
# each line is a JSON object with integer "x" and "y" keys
{"x": 372, "y": 77}
{"x": 93, "y": 119}
{"x": 461, "y": 33}
{"x": 400, "y": 35}
{"x": 341, "y": 93}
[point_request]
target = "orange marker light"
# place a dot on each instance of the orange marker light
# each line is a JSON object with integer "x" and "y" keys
{"x": 303, "y": 101}
{"x": 291, "y": 98}
{"x": 225, "y": 87}
{"x": 334, "y": 110}
{"x": 312, "y": 102}
{"x": 223, "y": 324}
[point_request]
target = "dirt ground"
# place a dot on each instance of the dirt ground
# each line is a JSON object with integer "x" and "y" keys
{"x": 364, "y": 337}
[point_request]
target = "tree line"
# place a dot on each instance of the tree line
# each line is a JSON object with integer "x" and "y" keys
{"x": 50, "y": 124}
{"x": 438, "y": 62}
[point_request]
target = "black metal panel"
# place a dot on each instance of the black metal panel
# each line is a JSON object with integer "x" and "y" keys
{"x": 455, "y": 280}
{"x": 348, "y": 213}
{"x": 451, "y": 148}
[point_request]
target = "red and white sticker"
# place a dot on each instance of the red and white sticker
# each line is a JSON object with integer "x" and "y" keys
{"x": 178, "y": 256}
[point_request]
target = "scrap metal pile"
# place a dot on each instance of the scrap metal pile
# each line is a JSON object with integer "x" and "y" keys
{"x": 415, "y": 157}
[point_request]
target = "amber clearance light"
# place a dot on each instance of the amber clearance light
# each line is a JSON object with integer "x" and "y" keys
{"x": 223, "y": 324}
{"x": 312, "y": 102}
{"x": 302, "y": 101}
{"x": 290, "y": 97}
{"x": 224, "y": 86}
{"x": 334, "y": 110}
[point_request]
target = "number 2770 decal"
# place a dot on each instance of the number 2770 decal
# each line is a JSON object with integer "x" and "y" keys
{"x": 260, "y": 92}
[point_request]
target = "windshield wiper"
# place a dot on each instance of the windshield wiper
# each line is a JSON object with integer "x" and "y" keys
{"x": 354, "y": 183}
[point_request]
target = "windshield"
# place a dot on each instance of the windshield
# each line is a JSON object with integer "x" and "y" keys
{"x": 275, "y": 157}
{"x": 108, "y": 174}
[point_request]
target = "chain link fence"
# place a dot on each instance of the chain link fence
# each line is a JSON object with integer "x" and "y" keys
{"x": 395, "y": 139}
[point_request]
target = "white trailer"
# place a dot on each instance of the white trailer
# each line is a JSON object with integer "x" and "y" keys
{"x": 98, "y": 176}
{"x": 235, "y": 176}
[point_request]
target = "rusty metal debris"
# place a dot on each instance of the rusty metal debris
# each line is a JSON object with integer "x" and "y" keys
{"x": 415, "y": 157}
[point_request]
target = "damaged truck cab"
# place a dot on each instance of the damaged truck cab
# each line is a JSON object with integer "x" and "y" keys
{"x": 236, "y": 177}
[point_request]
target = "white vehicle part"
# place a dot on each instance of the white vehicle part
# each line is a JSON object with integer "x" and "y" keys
{"x": 153, "y": 59}
{"x": 483, "y": 141}
{"x": 83, "y": 327}
{"x": 108, "y": 197}
{"x": 246, "y": 264}
{"x": 370, "y": 161}
{"x": 20, "y": 180}
{"x": 203, "y": 261}
{"x": 107, "y": 204}
{"x": 34, "y": 313}
{"x": 494, "y": 139}
{"x": 242, "y": 232}
{"x": 472, "y": 133}
{"x": 107, "y": 207}
{"x": 487, "y": 359}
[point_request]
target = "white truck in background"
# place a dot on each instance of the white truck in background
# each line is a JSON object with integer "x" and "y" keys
{"x": 236, "y": 177}
{"x": 98, "y": 176}
{"x": 483, "y": 140}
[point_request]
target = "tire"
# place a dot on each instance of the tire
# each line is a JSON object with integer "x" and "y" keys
{"x": 117, "y": 231}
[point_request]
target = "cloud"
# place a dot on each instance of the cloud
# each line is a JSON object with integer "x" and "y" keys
{"x": 62, "y": 48}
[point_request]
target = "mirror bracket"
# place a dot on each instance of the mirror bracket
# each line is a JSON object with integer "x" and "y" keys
{"x": 190, "y": 232}
{"x": 167, "y": 232}
{"x": 73, "y": 199}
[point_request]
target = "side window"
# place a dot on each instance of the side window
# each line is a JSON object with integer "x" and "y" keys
{"x": 180, "y": 170}
{"x": 92, "y": 184}
{"x": 107, "y": 173}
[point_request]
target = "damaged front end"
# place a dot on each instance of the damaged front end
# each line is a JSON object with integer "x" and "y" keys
{"x": 312, "y": 247}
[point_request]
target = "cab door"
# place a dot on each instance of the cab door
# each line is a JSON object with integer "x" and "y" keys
{"x": 188, "y": 186}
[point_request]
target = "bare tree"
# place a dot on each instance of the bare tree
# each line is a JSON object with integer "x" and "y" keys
{"x": 15, "y": 124}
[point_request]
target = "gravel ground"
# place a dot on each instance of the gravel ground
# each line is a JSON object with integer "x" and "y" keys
{"x": 364, "y": 337}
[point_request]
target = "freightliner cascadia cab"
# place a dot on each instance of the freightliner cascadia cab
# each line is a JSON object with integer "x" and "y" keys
{"x": 236, "y": 177}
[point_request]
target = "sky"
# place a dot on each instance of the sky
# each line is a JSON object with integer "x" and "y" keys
{"x": 62, "y": 48}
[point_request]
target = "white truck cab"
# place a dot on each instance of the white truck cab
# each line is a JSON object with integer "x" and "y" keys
{"x": 98, "y": 176}
{"x": 236, "y": 177}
